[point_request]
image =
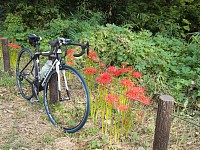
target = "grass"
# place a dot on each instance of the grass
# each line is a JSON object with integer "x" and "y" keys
{"x": 23, "y": 126}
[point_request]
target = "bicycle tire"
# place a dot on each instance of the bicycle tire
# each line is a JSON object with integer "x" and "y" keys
{"x": 69, "y": 115}
{"x": 24, "y": 77}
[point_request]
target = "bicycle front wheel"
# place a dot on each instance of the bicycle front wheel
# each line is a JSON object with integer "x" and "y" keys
{"x": 24, "y": 73}
{"x": 67, "y": 108}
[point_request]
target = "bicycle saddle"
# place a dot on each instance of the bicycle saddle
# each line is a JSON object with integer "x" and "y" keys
{"x": 33, "y": 39}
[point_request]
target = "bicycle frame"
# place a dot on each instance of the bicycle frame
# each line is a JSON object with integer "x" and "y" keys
{"x": 38, "y": 83}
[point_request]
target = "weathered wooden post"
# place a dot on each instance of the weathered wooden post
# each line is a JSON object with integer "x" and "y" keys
{"x": 6, "y": 56}
{"x": 163, "y": 122}
{"x": 53, "y": 86}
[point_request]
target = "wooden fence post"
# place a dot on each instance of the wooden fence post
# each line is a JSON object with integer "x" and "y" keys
{"x": 163, "y": 122}
{"x": 6, "y": 56}
{"x": 53, "y": 86}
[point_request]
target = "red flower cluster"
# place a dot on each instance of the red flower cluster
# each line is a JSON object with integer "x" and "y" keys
{"x": 93, "y": 56}
{"x": 70, "y": 52}
{"x": 124, "y": 70}
{"x": 136, "y": 74}
{"x": 122, "y": 107}
{"x": 117, "y": 72}
{"x": 144, "y": 100}
{"x": 138, "y": 90}
{"x": 114, "y": 71}
{"x": 70, "y": 57}
{"x": 90, "y": 71}
{"x": 127, "y": 83}
{"x": 70, "y": 63}
{"x": 112, "y": 99}
{"x": 104, "y": 78}
{"x": 13, "y": 45}
{"x": 137, "y": 93}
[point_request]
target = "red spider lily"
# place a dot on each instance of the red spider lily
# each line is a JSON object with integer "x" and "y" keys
{"x": 114, "y": 71}
{"x": 70, "y": 63}
{"x": 13, "y": 45}
{"x": 95, "y": 59}
{"x": 117, "y": 72}
{"x": 124, "y": 70}
{"x": 144, "y": 100}
{"x": 112, "y": 99}
{"x": 70, "y": 52}
{"x": 70, "y": 56}
{"x": 122, "y": 107}
{"x": 138, "y": 90}
{"x": 135, "y": 93}
{"x": 136, "y": 74}
{"x": 92, "y": 54}
{"x": 90, "y": 71}
{"x": 127, "y": 83}
{"x": 105, "y": 78}
{"x": 131, "y": 95}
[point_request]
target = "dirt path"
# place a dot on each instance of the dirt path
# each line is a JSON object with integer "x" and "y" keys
{"x": 25, "y": 126}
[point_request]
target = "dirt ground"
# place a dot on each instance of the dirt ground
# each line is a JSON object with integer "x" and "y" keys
{"x": 25, "y": 126}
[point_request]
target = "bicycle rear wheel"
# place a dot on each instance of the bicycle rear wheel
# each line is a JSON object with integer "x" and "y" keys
{"x": 24, "y": 73}
{"x": 69, "y": 108}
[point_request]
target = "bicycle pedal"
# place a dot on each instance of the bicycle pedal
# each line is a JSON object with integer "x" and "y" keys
{"x": 32, "y": 101}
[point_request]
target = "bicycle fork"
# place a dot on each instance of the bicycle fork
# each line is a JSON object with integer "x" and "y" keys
{"x": 63, "y": 79}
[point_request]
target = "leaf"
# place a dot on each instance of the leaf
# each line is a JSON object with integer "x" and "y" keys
{"x": 186, "y": 28}
{"x": 186, "y": 21}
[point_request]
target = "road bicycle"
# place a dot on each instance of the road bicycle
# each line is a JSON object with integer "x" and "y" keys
{"x": 66, "y": 96}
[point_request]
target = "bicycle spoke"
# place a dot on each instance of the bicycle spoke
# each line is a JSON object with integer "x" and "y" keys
{"x": 69, "y": 113}
{"x": 24, "y": 74}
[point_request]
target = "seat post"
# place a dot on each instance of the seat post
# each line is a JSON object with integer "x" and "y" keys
{"x": 36, "y": 46}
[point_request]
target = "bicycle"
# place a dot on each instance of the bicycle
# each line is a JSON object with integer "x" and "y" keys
{"x": 66, "y": 96}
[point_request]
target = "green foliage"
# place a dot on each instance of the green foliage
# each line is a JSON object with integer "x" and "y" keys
{"x": 170, "y": 65}
{"x": 13, "y": 25}
{"x": 173, "y": 18}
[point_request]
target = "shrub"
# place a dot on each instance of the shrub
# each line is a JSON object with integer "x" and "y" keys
{"x": 170, "y": 65}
